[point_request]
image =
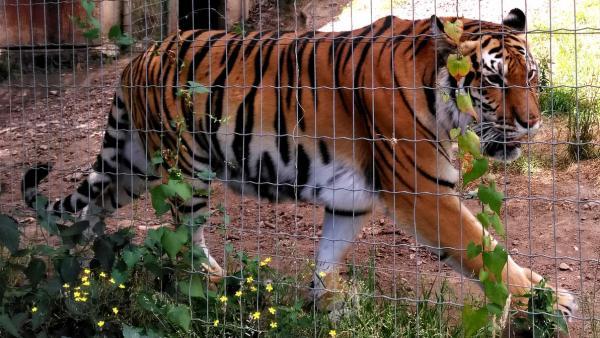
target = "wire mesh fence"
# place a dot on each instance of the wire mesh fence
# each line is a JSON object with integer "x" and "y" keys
{"x": 299, "y": 168}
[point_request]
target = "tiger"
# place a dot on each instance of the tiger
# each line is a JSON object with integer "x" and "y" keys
{"x": 346, "y": 120}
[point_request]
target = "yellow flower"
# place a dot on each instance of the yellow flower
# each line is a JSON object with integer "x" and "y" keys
{"x": 84, "y": 278}
{"x": 34, "y": 309}
{"x": 253, "y": 288}
{"x": 223, "y": 299}
{"x": 269, "y": 287}
{"x": 121, "y": 286}
{"x": 86, "y": 283}
{"x": 273, "y": 325}
{"x": 66, "y": 285}
{"x": 112, "y": 280}
{"x": 332, "y": 333}
{"x": 100, "y": 323}
{"x": 115, "y": 310}
{"x": 256, "y": 315}
{"x": 322, "y": 274}
{"x": 77, "y": 288}
{"x": 87, "y": 271}
{"x": 272, "y": 310}
{"x": 216, "y": 323}
{"x": 238, "y": 293}
{"x": 102, "y": 274}
{"x": 83, "y": 299}
{"x": 249, "y": 280}
{"x": 76, "y": 294}
{"x": 265, "y": 261}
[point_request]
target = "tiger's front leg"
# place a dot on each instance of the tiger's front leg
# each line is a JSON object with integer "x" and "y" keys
{"x": 340, "y": 230}
{"x": 445, "y": 224}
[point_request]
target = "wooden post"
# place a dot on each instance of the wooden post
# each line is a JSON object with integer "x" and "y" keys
{"x": 173, "y": 16}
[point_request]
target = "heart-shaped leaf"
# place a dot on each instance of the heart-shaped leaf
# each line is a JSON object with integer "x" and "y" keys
{"x": 465, "y": 104}
{"x": 180, "y": 316}
{"x": 469, "y": 143}
{"x": 454, "y": 30}
{"x": 490, "y": 196}
{"x": 458, "y": 66}
{"x": 478, "y": 169}
{"x": 192, "y": 287}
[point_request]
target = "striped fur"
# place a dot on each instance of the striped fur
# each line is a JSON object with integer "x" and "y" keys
{"x": 343, "y": 119}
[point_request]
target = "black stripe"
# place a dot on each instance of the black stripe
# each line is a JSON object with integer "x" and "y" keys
{"x": 303, "y": 167}
{"x": 188, "y": 209}
{"x": 346, "y": 213}
{"x": 436, "y": 180}
{"x": 324, "y": 152}
{"x": 279, "y": 124}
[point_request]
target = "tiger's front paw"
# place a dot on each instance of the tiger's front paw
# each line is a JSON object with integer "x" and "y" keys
{"x": 565, "y": 302}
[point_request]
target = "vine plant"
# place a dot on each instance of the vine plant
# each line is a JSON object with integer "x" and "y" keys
{"x": 477, "y": 319}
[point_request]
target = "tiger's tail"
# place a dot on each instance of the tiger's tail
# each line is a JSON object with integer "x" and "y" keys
{"x": 98, "y": 181}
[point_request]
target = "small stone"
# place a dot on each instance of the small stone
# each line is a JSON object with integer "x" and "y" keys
{"x": 564, "y": 266}
{"x": 515, "y": 242}
{"x": 382, "y": 221}
{"x": 53, "y": 92}
{"x": 583, "y": 218}
{"x": 44, "y": 147}
{"x": 514, "y": 251}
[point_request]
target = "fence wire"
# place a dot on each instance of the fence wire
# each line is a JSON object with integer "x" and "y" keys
{"x": 311, "y": 161}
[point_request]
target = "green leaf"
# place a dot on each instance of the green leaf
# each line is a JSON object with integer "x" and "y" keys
{"x": 489, "y": 195}
{"x": 193, "y": 287}
{"x": 173, "y": 241}
{"x": 458, "y": 66}
{"x": 196, "y": 88}
{"x": 35, "y": 271}
{"x": 146, "y": 302}
{"x": 465, "y": 104}
{"x": 92, "y": 33}
{"x": 180, "y": 188}
{"x": 157, "y": 158}
{"x": 497, "y": 224}
{"x": 454, "y": 133}
{"x": 104, "y": 252}
{"x": 131, "y": 332}
{"x": 483, "y": 275}
{"x": 9, "y": 233}
{"x": 7, "y": 324}
{"x": 180, "y": 316}
{"x": 480, "y": 167}
{"x": 494, "y": 308}
{"x": 484, "y": 219}
{"x": 473, "y": 250}
{"x": 159, "y": 196}
{"x": 454, "y": 30}
{"x": 206, "y": 175}
{"x": 495, "y": 261}
{"x": 75, "y": 229}
{"x": 496, "y": 292}
{"x": 88, "y": 6}
{"x": 131, "y": 256}
{"x": 114, "y": 32}
{"x": 473, "y": 319}
{"x": 469, "y": 143}
{"x": 69, "y": 269}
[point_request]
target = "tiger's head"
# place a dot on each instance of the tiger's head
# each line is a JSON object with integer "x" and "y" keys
{"x": 503, "y": 83}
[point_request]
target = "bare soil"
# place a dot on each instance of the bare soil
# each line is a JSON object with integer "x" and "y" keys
{"x": 552, "y": 212}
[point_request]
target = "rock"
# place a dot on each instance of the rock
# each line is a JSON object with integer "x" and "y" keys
{"x": 564, "y": 266}
{"x": 53, "y": 92}
{"x": 515, "y": 242}
{"x": 382, "y": 221}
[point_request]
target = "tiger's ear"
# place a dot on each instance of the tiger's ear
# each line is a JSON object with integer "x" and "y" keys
{"x": 515, "y": 20}
{"x": 445, "y": 45}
